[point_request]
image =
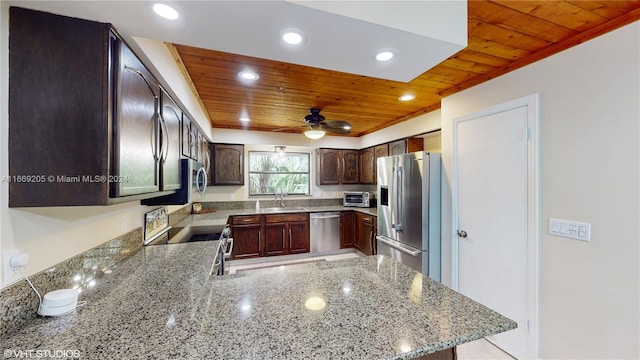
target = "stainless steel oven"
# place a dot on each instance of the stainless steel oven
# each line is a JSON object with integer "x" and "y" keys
{"x": 219, "y": 266}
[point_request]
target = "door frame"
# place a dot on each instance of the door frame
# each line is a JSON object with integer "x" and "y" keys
{"x": 531, "y": 102}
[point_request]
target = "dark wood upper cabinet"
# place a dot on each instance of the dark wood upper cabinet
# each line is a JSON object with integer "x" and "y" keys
{"x": 405, "y": 146}
{"x": 228, "y": 164}
{"x": 381, "y": 150}
{"x": 170, "y": 122}
{"x": 337, "y": 166}
{"x": 328, "y": 167}
{"x": 83, "y": 114}
{"x": 350, "y": 170}
{"x": 367, "y": 166}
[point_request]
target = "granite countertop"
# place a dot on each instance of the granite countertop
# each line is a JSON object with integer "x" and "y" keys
{"x": 220, "y": 217}
{"x": 162, "y": 304}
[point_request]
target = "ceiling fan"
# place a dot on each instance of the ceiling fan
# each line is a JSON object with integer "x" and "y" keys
{"x": 318, "y": 125}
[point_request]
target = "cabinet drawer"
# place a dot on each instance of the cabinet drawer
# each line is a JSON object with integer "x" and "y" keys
{"x": 369, "y": 219}
{"x": 245, "y": 219}
{"x": 279, "y": 218}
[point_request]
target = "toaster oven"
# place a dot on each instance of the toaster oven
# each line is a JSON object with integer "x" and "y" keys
{"x": 358, "y": 199}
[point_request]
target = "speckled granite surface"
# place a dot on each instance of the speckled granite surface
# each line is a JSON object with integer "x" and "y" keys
{"x": 161, "y": 304}
{"x": 18, "y": 302}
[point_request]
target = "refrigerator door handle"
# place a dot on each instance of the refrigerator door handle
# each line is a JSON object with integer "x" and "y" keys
{"x": 399, "y": 247}
{"x": 398, "y": 203}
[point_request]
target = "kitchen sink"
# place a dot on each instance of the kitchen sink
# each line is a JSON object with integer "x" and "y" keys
{"x": 282, "y": 209}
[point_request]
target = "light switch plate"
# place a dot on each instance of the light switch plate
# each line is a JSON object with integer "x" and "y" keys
{"x": 570, "y": 229}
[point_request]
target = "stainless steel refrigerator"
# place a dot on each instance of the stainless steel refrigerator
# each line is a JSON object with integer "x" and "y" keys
{"x": 409, "y": 210}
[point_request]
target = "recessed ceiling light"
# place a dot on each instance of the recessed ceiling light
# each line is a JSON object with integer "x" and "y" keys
{"x": 407, "y": 97}
{"x": 248, "y": 75}
{"x": 384, "y": 55}
{"x": 292, "y": 38}
{"x": 166, "y": 11}
{"x": 245, "y": 119}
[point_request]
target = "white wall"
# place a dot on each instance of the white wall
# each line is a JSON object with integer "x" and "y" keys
{"x": 418, "y": 125}
{"x": 589, "y": 169}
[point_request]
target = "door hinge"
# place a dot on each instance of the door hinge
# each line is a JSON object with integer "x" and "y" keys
{"x": 527, "y": 133}
{"x": 526, "y": 325}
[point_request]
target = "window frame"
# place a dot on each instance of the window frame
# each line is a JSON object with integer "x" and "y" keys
{"x": 308, "y": 173}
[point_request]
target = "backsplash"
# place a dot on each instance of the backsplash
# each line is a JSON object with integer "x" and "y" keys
{"x": 18, "y": 302}
{"x": 265, "y": 203}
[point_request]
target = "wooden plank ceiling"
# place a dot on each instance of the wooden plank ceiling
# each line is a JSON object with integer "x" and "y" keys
{"x": 503, "y": 36}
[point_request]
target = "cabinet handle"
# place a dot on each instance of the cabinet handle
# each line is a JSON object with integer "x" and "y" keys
{"x": 259, "y": 241}
{"x": 207, "y": 161}
{"x": 283, "y": 236}
{"x": 290, "y": 238}
{"x": 144, "y": 78}
{"x": 164, "y": 146}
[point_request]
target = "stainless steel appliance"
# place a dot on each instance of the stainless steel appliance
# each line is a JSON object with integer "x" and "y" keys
{"x": 358, "y": 199}
{"x": 193, "y": 177}
{"x": 218, "y": 267}
{"x": 324, "y": 231}
{"x": 409, "y": 210}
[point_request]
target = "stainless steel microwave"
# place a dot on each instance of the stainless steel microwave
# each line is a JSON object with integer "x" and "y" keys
{"x": 358, "y": 199}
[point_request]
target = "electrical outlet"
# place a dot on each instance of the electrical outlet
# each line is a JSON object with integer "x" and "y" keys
{"x": 570, "y": 229}
{"x": 10, "y": 274}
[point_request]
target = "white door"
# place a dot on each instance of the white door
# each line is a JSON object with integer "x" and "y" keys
{"x": 496, "y": 254}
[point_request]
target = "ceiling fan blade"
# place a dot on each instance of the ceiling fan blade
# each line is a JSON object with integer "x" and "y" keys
{"x": 336, "y": 126}
{"x": 291, "y": 128}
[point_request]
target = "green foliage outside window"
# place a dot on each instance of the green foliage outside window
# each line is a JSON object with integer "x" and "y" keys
{"x": 270, "y": 173}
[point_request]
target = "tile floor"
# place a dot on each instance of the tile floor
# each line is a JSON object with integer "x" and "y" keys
{"x": 475, "y": 350}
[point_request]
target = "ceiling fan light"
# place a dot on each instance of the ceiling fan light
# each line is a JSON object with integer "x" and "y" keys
{"x": 314, "y": 134}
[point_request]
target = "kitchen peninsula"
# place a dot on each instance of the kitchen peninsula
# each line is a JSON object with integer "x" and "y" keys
{"x": 161, "y": 303}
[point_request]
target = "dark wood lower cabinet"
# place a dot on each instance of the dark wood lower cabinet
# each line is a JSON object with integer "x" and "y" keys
{"x": 365, "y": 233}
{"x": 269, "y": 235}
{"x": 286, "y": 234}
{"x": 247, "y": 236}
{"x": 347, "y": 229}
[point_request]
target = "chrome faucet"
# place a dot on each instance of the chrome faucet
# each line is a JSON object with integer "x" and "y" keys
{"x": 281, "y": 195}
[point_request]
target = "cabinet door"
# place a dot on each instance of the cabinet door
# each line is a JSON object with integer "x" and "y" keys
{"x": 398, "y": 147}
{"x": 328, "y": 166}
{"x": 298, "y": 237}
{"x": 228, "y": 164}
{"x": 186, "y": 136}
{"x": 136, "y": 127}
{"x": 275, "y": 236}
{"x": 367, "y": 166}
{"x": 350, "y": 167}
{"x": 382, "y": 150}
{"x": 365, "y": 233}
{"x": 347, "y": 229}
{"x": 170, "y": 121}
{"x": 247, "y": 241}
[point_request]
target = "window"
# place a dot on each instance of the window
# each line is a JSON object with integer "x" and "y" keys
{"x": 271, "y": 172}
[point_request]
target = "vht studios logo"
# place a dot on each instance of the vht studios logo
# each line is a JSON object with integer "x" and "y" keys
{"x": 42, "y": 354}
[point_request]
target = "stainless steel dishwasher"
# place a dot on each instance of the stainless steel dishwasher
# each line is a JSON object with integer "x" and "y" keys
{"x": 324, "y": 231}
